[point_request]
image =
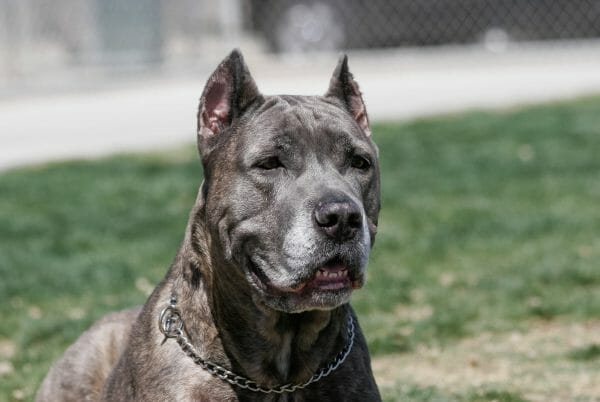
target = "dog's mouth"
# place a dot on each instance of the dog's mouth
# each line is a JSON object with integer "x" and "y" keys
{"x": 334, "y": 275}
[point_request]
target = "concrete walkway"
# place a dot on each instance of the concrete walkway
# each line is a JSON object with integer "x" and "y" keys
{"x": 404, "y": 84}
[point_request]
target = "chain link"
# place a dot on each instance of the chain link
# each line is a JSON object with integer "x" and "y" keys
{"x": 172, "y": 326}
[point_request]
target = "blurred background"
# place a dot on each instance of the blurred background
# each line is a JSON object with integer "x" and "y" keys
{"x": 69, "y": 58}
{"x": 47, "y": 36}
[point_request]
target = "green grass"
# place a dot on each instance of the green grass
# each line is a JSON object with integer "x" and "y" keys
{"x": 586, "y": 353}
{"x": 489, "y": 220}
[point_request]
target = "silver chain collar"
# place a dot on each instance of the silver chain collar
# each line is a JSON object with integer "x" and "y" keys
{"x": 171, "y": 325}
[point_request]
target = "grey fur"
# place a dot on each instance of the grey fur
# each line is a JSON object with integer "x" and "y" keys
{"x": 251, "y": 242}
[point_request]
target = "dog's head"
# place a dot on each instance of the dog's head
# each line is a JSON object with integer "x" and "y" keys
{"x": 291, "y": 191}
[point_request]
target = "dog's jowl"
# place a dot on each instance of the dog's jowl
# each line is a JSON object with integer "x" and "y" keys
{"x": 255, "y": 305}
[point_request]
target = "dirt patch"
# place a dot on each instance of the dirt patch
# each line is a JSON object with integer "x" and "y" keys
{"x": 7, "y": 348}
{"x": 535, "y": 363}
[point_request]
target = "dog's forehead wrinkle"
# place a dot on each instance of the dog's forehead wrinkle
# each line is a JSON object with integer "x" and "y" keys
{"x": 315, "y": 107}
{"x": 300, "y": 125}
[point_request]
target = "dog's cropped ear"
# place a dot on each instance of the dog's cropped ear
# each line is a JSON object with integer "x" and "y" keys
{"x": 343, "y": 87}
{"x": 228, "y": 92}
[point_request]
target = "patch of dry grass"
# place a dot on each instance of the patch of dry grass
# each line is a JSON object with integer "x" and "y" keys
{"x": 535, "y": 364}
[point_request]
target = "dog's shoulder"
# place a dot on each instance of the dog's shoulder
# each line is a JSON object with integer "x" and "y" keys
{"x": 83, "y": 369}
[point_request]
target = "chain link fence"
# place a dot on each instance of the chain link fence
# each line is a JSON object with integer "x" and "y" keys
{"x": 42, "y": 35}
{"x": 300, "y": 25}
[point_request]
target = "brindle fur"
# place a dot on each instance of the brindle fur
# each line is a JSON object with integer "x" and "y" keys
{"x": 270, "y": 337}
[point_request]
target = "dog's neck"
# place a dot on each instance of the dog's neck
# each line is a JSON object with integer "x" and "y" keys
{"x": 270, "y": 346}
{"x": 232, "y": 327}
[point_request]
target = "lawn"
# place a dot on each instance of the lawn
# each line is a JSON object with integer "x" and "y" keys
{"x": 484, "y": 283}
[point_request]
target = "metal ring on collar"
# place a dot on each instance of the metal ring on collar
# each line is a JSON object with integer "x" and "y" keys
{"x": 170, "y": 322}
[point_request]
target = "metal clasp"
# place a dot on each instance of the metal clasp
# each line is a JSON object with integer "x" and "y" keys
{"x": 170, "y": 322}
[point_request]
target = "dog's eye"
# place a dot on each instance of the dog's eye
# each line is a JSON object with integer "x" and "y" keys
{"x": 360, "y": 162}
{"x": 269, "y": 163}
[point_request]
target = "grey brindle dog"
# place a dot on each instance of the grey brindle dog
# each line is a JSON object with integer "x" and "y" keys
{"x": 255, "y": 305}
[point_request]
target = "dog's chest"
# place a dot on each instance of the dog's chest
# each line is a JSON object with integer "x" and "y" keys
{"x": 282, "y": 359}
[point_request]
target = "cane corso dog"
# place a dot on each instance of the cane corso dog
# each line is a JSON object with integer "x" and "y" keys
{"x": 255, "y": 306}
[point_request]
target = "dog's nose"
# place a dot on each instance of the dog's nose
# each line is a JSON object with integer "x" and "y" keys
{"x": 340, "y": 220}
